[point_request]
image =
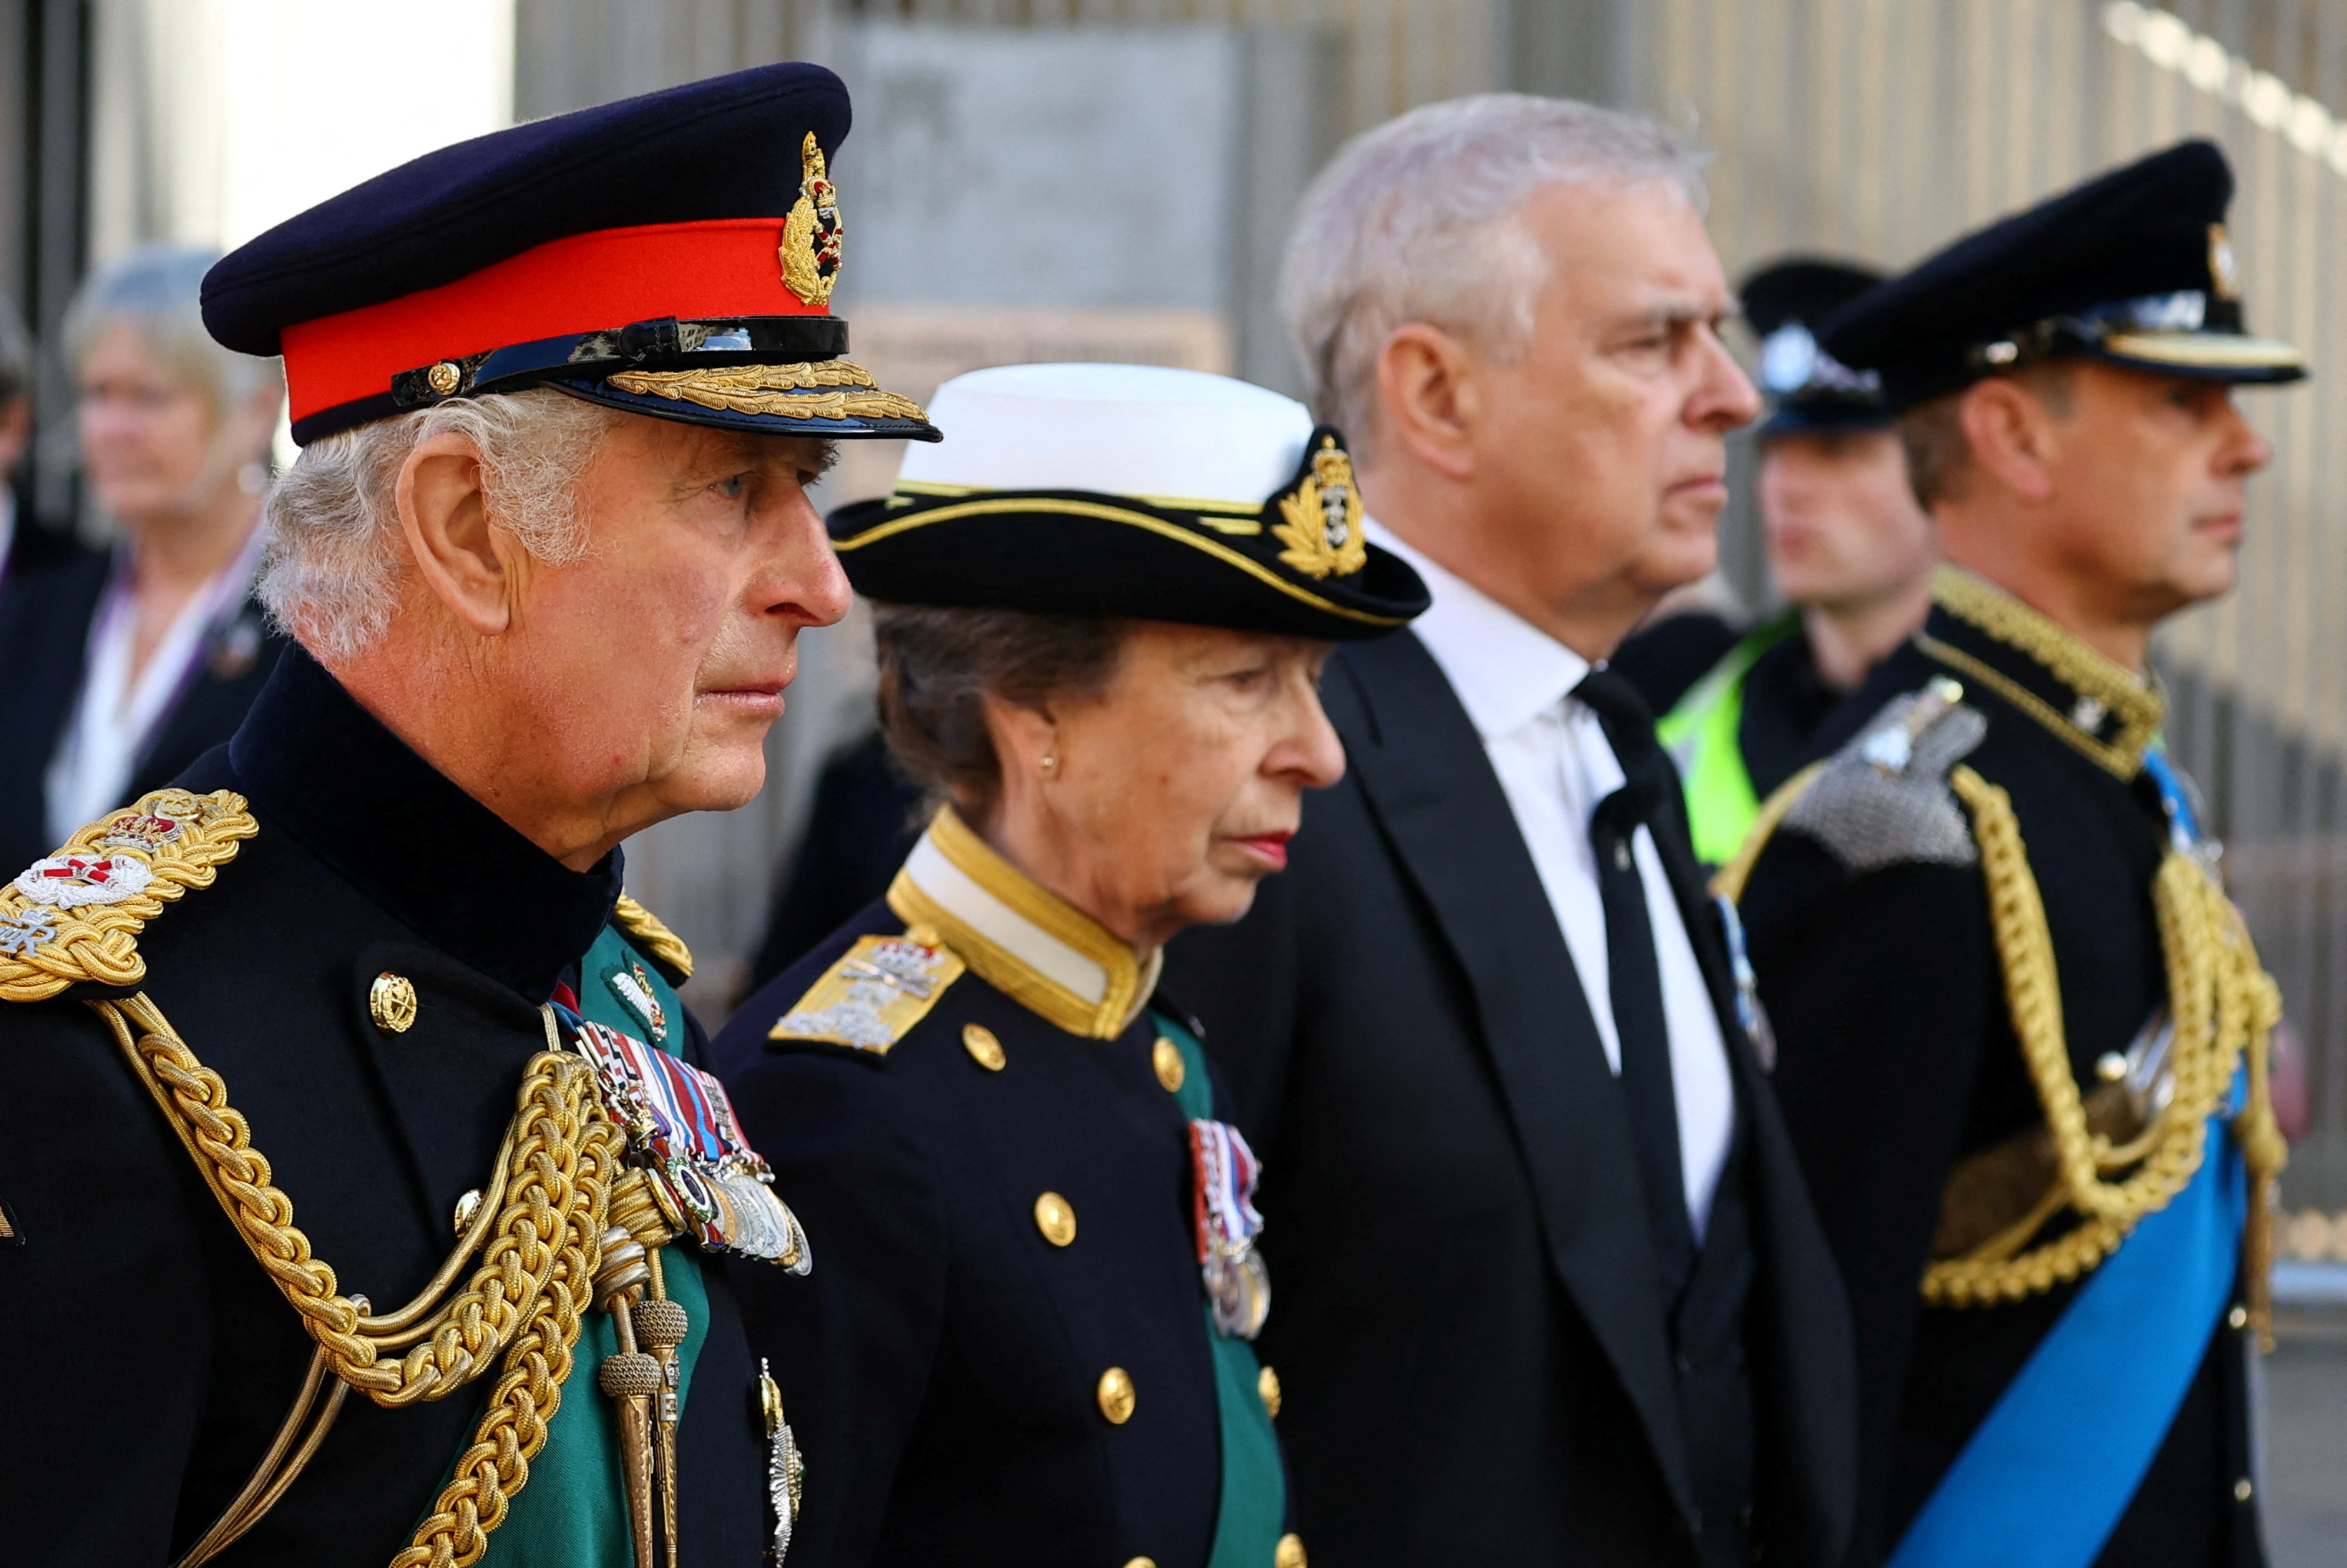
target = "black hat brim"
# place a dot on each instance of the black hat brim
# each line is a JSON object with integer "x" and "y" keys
{"x": 1077, "y": 553}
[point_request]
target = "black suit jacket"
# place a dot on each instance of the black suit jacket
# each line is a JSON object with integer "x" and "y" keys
{"x": 1469, "y": 1329}
{"x": 45, "y": 615}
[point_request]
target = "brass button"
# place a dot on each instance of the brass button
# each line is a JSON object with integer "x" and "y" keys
{"x": 391, "y": 1002}
{"x": 2110, "y": 1066}
{"x": 1116, "y": 1396}
{"x": 1290, "y": 1554}
{"x": 2239, "y": 1318}
{"x": 1166, "y": 1057}
{"x": 1266, "y": 1383}
{"x": 2243, "y": 1489}
{"x": 1055, "y": 1216}
{"x": 983, "y": 1047}
{"x": 467, "y": 1206}
{"x": 444, "y": 377}
{"x": 1142, "y": 1563}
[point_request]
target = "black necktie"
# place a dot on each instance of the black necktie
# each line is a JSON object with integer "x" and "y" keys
{"x": 1634, "y": 974}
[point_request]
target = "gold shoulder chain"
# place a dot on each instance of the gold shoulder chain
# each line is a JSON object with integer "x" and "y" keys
{"x": 647, "y": 928}
{"x": 75, "y": 916}
{"x": 2223, "y": 1005}
{"x": 540, "y": 1231}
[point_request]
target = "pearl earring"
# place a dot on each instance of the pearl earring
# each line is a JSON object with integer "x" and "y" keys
{"x": 1050, "y": 764}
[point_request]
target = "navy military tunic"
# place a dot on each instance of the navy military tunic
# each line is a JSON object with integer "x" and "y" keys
{"x": 1001, "y": 1354}
{"x": 1898, "y": 1059}
{"x": 148, "y": 1360}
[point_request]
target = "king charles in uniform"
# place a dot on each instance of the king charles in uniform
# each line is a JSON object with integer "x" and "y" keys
{"x": 363, "y": 1197}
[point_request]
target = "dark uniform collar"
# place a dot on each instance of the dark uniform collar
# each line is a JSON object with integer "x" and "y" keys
{"x": 1990, "y": 638}
{"x": 322, "y": 768}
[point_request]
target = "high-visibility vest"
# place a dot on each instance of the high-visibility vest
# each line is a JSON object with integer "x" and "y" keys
{"x": 1700, "y": 733}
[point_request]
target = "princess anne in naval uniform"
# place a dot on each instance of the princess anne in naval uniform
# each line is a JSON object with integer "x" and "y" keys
{"x": 1026, "y": 1338}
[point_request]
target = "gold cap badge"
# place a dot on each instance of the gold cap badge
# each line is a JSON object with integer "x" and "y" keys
{"x": 1321, "y": 517}
{"x": 812, "y": 232}
{"x": 2224, "y": 272}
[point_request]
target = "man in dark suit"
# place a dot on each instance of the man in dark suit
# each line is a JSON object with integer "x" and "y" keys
{"x": 1550, "y": 1289}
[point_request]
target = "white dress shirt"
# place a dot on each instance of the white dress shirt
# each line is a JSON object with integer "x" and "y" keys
{"x": 116, "y": 714}
{"x": 1555, "y": 765}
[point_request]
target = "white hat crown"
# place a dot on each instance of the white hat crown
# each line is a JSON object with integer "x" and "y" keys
{"x": 1148, "y": 432}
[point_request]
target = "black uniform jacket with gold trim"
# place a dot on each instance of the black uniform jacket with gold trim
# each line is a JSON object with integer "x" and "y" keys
{"x": 1897, "y": 1057}
{"x": 147, "y": 1360}
{"x": 941, "y": 1367}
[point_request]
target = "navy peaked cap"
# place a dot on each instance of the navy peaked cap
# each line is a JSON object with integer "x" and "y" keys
{"x": 2133, "y": 268}
{"x": 672, "y": 254}
{"x": 1783, "y": 304}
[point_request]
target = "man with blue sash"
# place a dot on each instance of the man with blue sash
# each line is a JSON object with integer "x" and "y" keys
{"x": 2022, "y": 1031}
{"x": 365, "y": 1201}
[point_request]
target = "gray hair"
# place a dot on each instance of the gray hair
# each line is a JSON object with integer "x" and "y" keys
{"x": 1417, "y": 220}
{"x": 157, "y": 291}
{"x": 336, "y": 556}
{"x": 16, "y": 356}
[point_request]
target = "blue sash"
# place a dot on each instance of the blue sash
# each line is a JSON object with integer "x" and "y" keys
{"x": 2045, "y": 1479}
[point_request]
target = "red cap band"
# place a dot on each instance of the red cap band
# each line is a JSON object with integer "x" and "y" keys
{"x": 584, "y": 283}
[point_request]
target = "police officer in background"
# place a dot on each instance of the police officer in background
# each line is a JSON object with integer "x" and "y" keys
{"x": 344, "y": 1065}
{"x": 2022, "y": 1035}
{"x": 1848, "y": 548}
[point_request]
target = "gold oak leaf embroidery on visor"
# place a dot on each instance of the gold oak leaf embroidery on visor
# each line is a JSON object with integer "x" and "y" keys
{"x": 835, "y": 389}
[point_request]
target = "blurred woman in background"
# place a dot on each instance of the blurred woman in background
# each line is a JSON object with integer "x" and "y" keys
{"x": 127, "y": 663}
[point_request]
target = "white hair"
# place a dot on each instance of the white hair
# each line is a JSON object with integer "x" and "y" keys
{"x": 1418, "y": 220}
{"x": 156, "y": 291}
{"x": 336, "y": 556}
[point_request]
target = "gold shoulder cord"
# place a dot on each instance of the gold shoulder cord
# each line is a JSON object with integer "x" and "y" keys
{"x": 2224, "y": 1005}
{"x": 558, "y": 1200}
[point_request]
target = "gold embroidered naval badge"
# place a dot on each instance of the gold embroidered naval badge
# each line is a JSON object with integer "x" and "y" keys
{"x": 76, "y": 915}
{"x": 813, "y": 233}
{"x": 1322, "y": 529}
{"x": 873, "y": 995}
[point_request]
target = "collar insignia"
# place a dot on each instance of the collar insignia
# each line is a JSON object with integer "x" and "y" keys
{"x": 873, "y": 995}
{"x": 2098, "y": 690}
{"x": 632, "y": 989}
{"x": 812, "y": 232}
{"x": 1321, "y": 515}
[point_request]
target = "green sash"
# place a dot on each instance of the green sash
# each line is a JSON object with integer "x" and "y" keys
{"x": 573, "y": 1513}
{"x": 1253, "y": 1508}
{"x": 1701, "y": 735}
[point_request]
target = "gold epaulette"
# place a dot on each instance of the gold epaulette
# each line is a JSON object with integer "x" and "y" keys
{"x": 659, "y": 941}
{"x": 880, "y": 987}
{"x": 76, "y": 915}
